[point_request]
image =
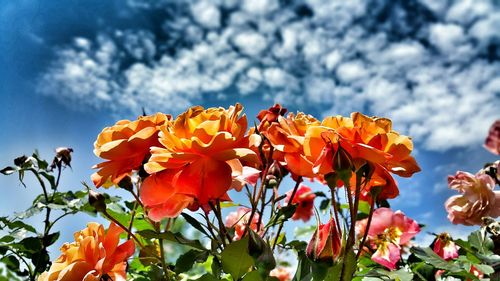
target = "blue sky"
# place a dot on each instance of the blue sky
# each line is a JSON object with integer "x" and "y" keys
{"x": 70, "y": 68}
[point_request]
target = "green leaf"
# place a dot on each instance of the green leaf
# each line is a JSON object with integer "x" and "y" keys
{"x": 8, "y": 170}
{"x": 334, "y": 272}
{"x": 481, "y": 242}
{"x": 235, "y": 258}
{"x": 282, "y": 215}
{"x": 194, "y": 223}
{"x": 252, "y": 276}
{"x": 173, "y": 237}
{"x": 428, "y": 256}
{"x": 303, "y": 272}
{"x": 207, "y": 277}
{"x": 186, "y": 261}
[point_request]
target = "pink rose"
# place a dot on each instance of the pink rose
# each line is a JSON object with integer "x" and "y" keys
{"x": 492, "y": 142}
{"x": 239, "y": 220}
{"x": 477, "y": 198}
{"x": 445, "y": 247}
{"x": 388, "y": 233}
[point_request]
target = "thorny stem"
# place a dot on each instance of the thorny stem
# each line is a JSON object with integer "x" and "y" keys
{"x": 162, "y": 254}
{"x": 294, "y": 191}
{"x": 210, "y": 228}
{"x": 368, "y": 223}
{"x": 335, "y": 211}
{"x": 47, "y": 214}
{"x": 132, "y": 216}
{"x": 255, "y": 199}
{"x": 222, "y": 227}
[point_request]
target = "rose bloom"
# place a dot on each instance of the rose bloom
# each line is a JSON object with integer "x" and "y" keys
{"x": 492, "y": 142}
{"x": 477, "y": 198}
{"x": 93, "y": 256}
{"x": 388, "y": 232}
{"x": 445, "y": 247}
{"x": 325, "y": 244}
{"x": 364, "y": 141}
{"x": 287, "y": 138}
{"x": 281, "y": 273}
{"x": 269, "y": 116}
{"x": 239, "y": 221}
{"x": 201, "y": 154}
{"x": 125, "y": 146}
{"x": 304, "y": 199}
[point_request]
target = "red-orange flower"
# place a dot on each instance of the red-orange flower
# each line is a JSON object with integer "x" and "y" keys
{"x": 125, "y": 146}
{"x": 325, "y": 244}
{"x": 94, "y": 255}
{"x": 304, "y": 199}
{"x": 287, "y": 137}
{"x": 367, "y": 141}
{"x": 198, "y": 160}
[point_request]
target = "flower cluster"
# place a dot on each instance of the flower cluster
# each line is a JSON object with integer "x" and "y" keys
{"x": 95, "y": 255}
{"x": 187, "y": 167}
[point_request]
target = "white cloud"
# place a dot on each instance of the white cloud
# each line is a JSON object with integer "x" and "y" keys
{"x": 206, "y": 14}
{"x": 433, "y": 68}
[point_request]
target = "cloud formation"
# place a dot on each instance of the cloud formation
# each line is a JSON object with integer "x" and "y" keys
{"x": 432, "y": 66}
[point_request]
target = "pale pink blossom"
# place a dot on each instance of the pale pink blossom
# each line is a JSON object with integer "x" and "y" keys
{"x": 282, "y": 273}
{"x": 477, "y": 199}
{"x": 492, "y": 142}
{"x": 239, "y": 221}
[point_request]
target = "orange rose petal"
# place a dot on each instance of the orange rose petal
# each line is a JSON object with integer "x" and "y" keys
{"x": 205, "y": 179}
{"x": 171, "y": 208}
{"x": 157, "y": 188}
{"x": 75, "y": 271}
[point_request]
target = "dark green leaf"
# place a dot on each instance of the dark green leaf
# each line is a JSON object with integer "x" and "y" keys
{"x": 185, "y": 261}
{"x": 194, "y": 223}
{"x": 8, "y": 170}
{"x": 235, "y": 258}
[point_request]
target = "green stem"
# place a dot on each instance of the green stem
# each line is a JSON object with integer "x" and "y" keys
{"x": 294, "y": 191}
{"x": 368, "y": 223}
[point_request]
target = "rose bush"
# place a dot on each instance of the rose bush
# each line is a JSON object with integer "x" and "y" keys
{"x": 209, "y": 198}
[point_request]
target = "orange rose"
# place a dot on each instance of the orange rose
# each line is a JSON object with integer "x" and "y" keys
{"x": 125, "y": 145}
{"x": 200, "y": 156}
{"x": 287, "y": 137}
{"x": 94, "y": 255}
{"x": 365, "y": 140}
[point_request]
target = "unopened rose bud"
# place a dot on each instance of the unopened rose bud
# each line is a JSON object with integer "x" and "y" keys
{"x": 271, "y": 180}
{"x": 342, "y": 164}
{"x": 126, "y": 183}
{"x": 20, "y": 160}
{"x": 325, "y": 244}
{"x": 445, "y": 247}
{"x": 62, "y": 158}
{"x": 97, "y": 201}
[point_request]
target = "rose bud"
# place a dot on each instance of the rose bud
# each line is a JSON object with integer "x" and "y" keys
{"x": 97, "y": 201}
{"x": 445, "y": 247}
{"x": 63, "y": 157}
{"x": 126, "y": 183}
{"x": 325, "y": 243}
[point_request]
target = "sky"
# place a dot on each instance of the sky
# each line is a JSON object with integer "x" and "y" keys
{"x": 70, "y": 68}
